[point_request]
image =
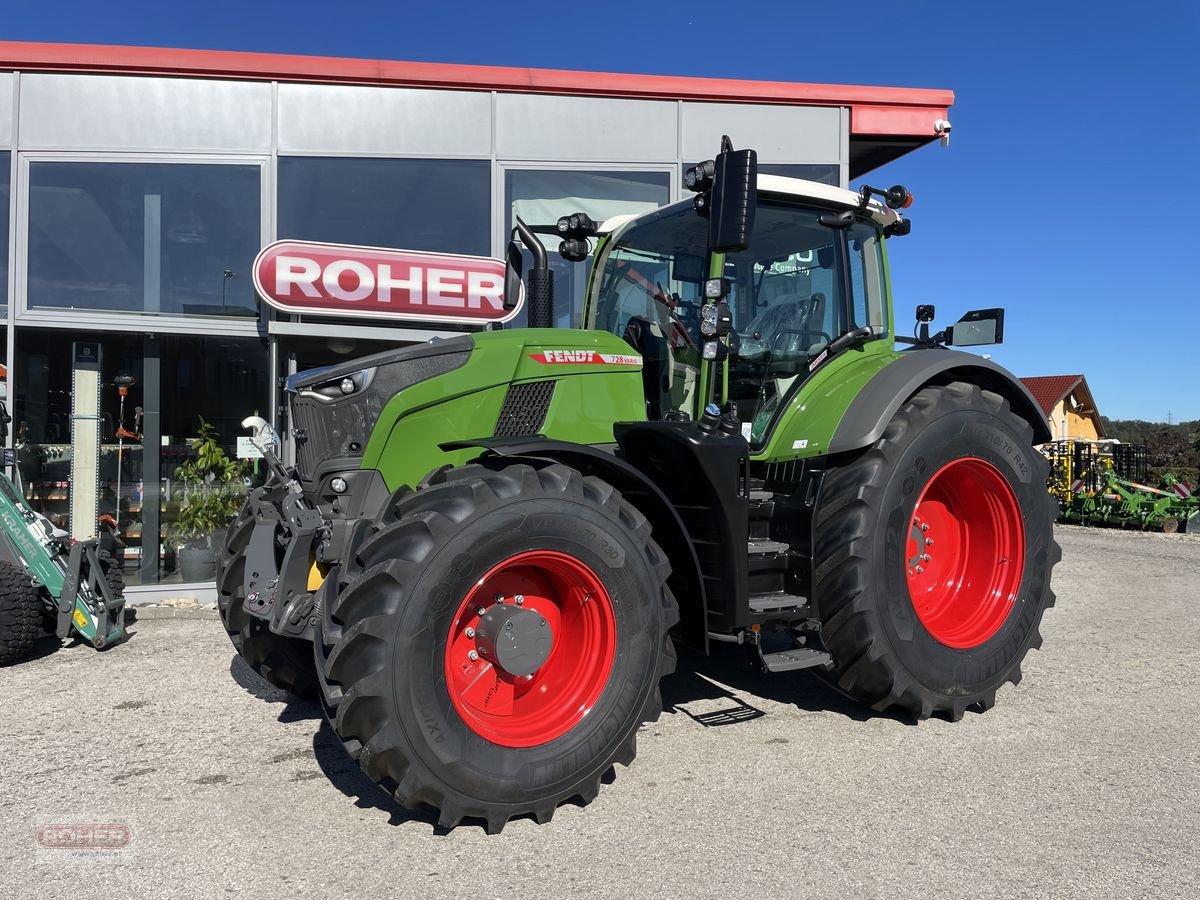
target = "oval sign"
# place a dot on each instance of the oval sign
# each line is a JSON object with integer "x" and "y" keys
{"x": 378, "y": 283}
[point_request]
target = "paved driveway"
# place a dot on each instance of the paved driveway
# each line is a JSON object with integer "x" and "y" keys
{"x": 1084, "y": 781}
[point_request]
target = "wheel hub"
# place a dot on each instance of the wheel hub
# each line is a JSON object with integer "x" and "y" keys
{"x": 517, "y": 640}
{"x": 964, "y": 589}
{"x": 530, "y": 649}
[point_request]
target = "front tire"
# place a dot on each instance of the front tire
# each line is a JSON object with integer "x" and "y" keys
{"x": 417, "y": 679}
{"x": 933, "y": 554}
{"x": 285, "y": 662}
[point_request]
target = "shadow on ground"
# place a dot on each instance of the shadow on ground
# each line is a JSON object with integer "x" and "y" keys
{"x": 733, "y": 674}
{"x": 712, "y": 691}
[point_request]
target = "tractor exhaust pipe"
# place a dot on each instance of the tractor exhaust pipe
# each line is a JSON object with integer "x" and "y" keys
{"x": 539, "y": 284}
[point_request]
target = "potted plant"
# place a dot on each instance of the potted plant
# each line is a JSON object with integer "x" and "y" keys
{"x": 213, "y": 491}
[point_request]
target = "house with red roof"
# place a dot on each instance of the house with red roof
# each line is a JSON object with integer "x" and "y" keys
{"x": 1067, "y": 403}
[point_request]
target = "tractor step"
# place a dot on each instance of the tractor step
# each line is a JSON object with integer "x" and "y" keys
{"x": 763, "y": 547}
{"x": 796, "y": 658}
{"x": 775, "y": 601}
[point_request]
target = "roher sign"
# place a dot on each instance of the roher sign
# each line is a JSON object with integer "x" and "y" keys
{"x": 381, "y": 284}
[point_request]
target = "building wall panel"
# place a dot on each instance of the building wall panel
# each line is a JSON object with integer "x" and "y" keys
{"x": 336, "y": 120}
{"x": 109, "y": 112}
{"x": 6, "y": 110}
{"x": 780, "y": 134}
{"x": 586, "y": 129}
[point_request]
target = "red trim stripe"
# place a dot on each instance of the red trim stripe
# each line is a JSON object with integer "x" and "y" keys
{"x": 875, "y": 110}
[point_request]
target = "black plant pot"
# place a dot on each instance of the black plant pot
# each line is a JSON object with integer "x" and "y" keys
{"x": 197, "y": 562}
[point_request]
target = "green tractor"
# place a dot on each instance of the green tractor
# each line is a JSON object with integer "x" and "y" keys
{"x": 489, "y": 545}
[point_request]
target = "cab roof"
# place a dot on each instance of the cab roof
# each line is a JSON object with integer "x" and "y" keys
{"x": 779, "y": 185}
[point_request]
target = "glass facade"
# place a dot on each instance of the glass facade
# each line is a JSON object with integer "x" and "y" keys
{"x": 5, "y": 168}
{"x": 158, "y": 238}
{"x": 418, "y": 204}
{"x": 824, "y": 174}
{"x": 157, "y": 393}
{"x": 128, "y": 226}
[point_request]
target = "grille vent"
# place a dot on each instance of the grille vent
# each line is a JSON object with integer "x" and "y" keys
{"x": 525, "y": 407}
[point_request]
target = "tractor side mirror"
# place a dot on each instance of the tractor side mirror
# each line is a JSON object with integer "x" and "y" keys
{"x": 976, "y": 328}
{"x": 733, "y": 199}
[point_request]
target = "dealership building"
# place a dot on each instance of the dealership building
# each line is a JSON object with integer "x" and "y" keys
{"x": 138, "y": 184}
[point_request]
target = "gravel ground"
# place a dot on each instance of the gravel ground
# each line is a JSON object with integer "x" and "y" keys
{"x": 1084, "y": 781}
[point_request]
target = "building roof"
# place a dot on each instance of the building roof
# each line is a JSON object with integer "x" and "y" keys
{"x": 1048, "y": 390}
{"x": 885, "y": 122}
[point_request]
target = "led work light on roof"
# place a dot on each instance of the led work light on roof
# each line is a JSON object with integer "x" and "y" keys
{"x": 699, "y": 177}
{"x": 577, "y": 225}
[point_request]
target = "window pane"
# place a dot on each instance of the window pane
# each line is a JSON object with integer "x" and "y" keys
{"x": 147, "y": 238}
{"x": 540, "y": 197}
{"x": 41, "y": 426}
{"x": 145, "y": 436}
{"x": 824, "y": 174}
{"x": 866, "y": 276}
{"x": 5, "y": 163}
{"x": 413, "y": 204}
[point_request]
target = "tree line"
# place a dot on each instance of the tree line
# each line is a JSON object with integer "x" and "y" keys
{"x": 1169, "y": 448}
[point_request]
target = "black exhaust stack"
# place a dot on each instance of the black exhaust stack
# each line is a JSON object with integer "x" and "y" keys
{"x": 539, "y": 283}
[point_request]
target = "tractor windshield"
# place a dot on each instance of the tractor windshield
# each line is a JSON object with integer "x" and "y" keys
{"x": 799, "y": 287}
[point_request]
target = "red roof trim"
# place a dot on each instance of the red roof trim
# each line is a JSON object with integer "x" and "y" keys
{"x": 874, "y": 110}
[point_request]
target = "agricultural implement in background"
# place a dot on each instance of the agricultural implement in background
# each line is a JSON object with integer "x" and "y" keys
{"x": 1103, "y": 483}
{"x": 488, "y": 545}
{"x": 50, "y": 583}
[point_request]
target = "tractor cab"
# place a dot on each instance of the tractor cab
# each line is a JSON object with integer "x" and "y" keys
{"x": 807, "y": 278}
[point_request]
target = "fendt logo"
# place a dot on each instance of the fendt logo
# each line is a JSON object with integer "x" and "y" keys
{"x": 377, "y": 283}
{"x": 584, "y": 358}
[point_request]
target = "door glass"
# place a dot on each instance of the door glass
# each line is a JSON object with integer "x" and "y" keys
{"x": 866, "y": 276}
{"x": 539, "y": 197}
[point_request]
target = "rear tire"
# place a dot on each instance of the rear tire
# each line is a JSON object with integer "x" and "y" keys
{"x": 285, "y": 662}
{"x": 963, "y": 459}
{"x": 394, "y": 644}
{"x": 21, "y": 613}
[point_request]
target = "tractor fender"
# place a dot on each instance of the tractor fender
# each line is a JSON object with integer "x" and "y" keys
{"x": 637, "y": 488}
{"x": 869, "y": 413}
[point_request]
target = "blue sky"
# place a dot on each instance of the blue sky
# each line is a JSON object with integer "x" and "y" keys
{"x": 1066, "y": 195}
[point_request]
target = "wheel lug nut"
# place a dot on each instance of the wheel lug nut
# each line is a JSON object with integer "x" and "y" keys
{"x": 472, "y": 656}
{"x": 499, "y": 598}
{"x": 925, "y": 527}
{"x": 470, "y": 632}
{"x": 926, "y": 557}
{"x": 519, "y": 599}
{"x": 928, "y": 542}
{"x": 920, "y": 569}
{"x": 479, "y": 610}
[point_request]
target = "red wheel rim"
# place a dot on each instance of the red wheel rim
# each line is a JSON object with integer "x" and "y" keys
{"x": 530, "y": 709}
{"x": 965, "y": 553}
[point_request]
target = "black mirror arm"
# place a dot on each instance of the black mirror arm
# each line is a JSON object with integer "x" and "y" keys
{"x": 532, "y": 243}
